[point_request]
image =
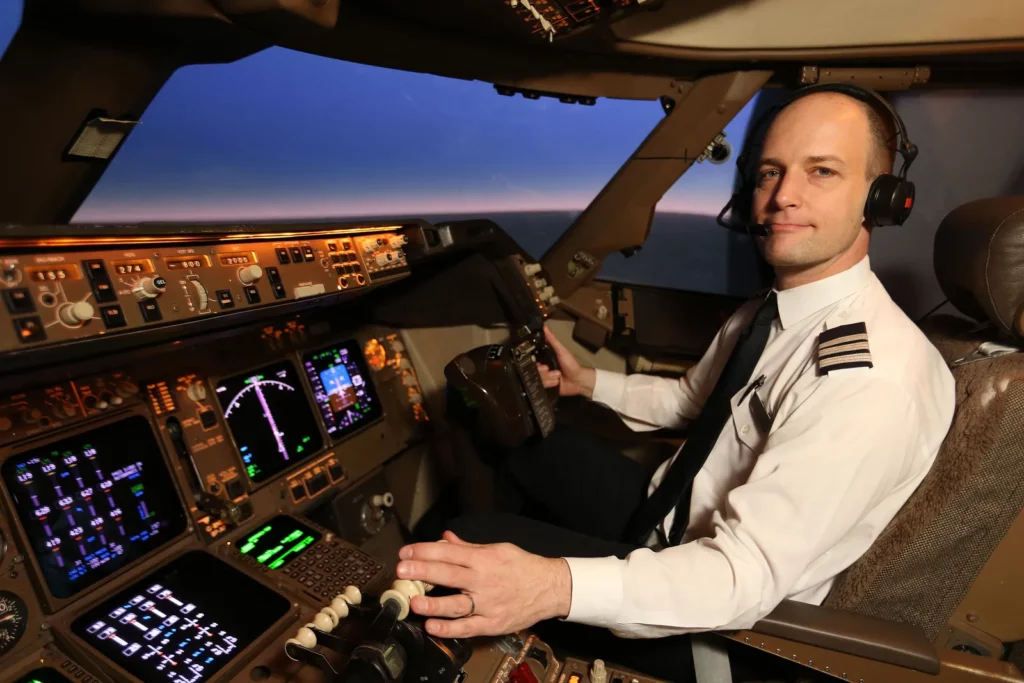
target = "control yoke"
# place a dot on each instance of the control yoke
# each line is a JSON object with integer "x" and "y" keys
{"x": 501, "y": 385}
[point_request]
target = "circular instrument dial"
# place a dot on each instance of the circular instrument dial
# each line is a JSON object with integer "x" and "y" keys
{"x": 13, "y": 620}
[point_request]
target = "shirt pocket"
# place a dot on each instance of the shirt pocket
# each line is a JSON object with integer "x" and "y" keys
{"x": 748, "y": 428}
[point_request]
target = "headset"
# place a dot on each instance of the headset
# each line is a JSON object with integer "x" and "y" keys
{"x": 890, "y": 197}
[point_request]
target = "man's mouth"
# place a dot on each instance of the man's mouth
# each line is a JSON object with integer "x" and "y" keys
{"x": 788, "y": 227}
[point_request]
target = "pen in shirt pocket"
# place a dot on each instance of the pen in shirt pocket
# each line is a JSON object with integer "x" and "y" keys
{"x": 757, "y": 384}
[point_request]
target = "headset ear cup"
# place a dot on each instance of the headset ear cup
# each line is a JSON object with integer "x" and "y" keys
{"x": 904, "y": 202}
{"x": 890, "y": 199}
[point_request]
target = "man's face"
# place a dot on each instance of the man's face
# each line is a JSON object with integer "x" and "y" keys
{"x": 812, "y": 182}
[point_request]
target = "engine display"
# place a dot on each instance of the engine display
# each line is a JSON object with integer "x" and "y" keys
{"x": 278, "y": 542}
{"x": 93, "y": 503}
{"x": 184, "y": 622}
{"x": 270, "y": 419}
{"x": 342, "y": 388}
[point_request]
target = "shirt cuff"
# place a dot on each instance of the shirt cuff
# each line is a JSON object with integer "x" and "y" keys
{"x": 609, "y": 388}
{"x": 596, "y": 590}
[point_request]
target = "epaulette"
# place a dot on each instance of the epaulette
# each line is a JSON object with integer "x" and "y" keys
{"x": 844, "y": 347}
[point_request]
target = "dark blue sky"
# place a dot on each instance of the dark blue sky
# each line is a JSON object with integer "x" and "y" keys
{"x": 283, "y": 134}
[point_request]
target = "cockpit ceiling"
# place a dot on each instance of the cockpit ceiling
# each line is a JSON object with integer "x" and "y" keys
{"x": 811, "y": 24}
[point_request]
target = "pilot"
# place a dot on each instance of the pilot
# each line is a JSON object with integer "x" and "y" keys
{"x": 817, "y": 410}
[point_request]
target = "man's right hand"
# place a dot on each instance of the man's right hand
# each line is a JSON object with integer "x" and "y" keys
{"x": 572, "y": 379}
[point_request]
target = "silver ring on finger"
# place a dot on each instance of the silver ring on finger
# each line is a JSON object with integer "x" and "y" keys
{"x": 472, "y": 605}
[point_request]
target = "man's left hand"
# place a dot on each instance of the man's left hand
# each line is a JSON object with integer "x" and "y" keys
{"x": 504, "y": 588}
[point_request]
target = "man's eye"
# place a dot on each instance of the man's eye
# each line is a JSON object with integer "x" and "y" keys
{"x": 767, "y": 175}
{"x": 824, "y": 172}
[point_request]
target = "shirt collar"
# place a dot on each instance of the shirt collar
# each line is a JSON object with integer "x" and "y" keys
{"x": 799, "y": 302}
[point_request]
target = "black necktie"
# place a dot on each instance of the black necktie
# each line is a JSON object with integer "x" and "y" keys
{"x": 703, "y": 432}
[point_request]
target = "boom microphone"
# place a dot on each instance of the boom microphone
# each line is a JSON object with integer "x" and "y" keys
{"x": 743, "y": 227}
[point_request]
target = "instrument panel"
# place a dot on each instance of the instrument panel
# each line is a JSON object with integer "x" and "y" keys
{"x": 190, "y": 465}
{"x": 162, "y": 501}
{"x": 59, "y": 290}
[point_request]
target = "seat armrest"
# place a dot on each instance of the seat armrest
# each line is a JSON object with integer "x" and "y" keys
{"x": 856, "y": 634}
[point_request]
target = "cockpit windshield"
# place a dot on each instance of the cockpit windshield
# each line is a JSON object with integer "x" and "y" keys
{"x": 286, "y": 135}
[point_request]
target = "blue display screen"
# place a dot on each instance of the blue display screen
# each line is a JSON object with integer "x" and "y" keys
{"x": 342, "y": 388}
{"x": 93, "y": 503}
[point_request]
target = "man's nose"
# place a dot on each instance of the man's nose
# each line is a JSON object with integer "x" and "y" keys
{"x": 788, "y": 191}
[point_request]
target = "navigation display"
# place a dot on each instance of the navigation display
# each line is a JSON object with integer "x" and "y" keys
{"x": 94, "y": 503}
{"x": 184, "y": 622}
{"x": 271, "y": 419}
{"x": 278, "y": 542}
{"x": 342, "y": 388}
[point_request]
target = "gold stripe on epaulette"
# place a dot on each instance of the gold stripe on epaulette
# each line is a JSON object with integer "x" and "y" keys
{"x": 844, "y": 340}
{"x": 843, "y": 360}
{"x": 845, "y": 348}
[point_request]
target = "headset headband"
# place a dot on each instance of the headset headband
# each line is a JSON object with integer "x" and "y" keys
{"x": 905, "y": 148}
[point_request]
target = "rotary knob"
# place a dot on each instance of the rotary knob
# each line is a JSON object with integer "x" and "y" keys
{"x": 196, "y": 391}
{"x": 150, "y": 287}
{"x": 201, "y": 294}
{"x": 64, "y": 411}
{"x": 249, "y": 274}
{"x": 75, "y": 314}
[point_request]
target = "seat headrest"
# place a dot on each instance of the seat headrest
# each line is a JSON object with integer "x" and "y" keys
{"x": 979, "y": 261}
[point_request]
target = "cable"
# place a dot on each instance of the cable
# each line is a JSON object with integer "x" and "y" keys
{"x": 944, "y": 302}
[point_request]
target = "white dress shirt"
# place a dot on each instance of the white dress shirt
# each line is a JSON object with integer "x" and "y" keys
{"x": 778, "y": 509}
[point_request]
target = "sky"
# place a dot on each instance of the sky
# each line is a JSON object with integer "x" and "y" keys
{"x": 282, "y": 134}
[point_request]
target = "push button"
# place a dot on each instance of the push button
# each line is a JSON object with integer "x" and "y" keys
{"x": 100, "y": 281}
{"x": 113, "y": 317}
{"x": 332, "y": 246}
{"x": 30, "y": 330}
{"x": 208, "y": 418}
{"x": 317, "y": 484}
{"x": 282, "y": 256}
{"x": 252, "y": 295}
{"x": 235, "y": 489}
{"x": 19, "y": 301}
{"x": 104, "y": 291}
{"x": 296, "y": 254}
{"x": 150, "y": 311}
{"x": 225, "y": 299}
{"x": 308, "y": 252}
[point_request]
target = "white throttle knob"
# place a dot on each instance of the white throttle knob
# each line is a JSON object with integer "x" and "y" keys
{"x": 323, "y": 622}
{"x": 292, "y": 641}
{"x": 306, "y": 637}
{"x": 335, "y": 617}
{"x": 340, "y": 607}
{"x": 353, "y": 595}
{"x": 598, "y": 674}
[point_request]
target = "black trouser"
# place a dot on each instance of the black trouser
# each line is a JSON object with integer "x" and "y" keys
{"x": 571, "y": 495}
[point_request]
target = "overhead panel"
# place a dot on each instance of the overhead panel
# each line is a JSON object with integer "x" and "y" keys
{"x": 809, "y": 24}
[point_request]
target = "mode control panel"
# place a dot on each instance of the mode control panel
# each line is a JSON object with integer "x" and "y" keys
{"x": 53, "y": 295}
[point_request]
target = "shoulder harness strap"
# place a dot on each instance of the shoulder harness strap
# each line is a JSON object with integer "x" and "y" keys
{"x": 844, "y": 347}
